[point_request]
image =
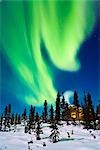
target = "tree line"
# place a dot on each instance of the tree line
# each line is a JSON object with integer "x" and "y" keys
{"x": 53, "y": 115}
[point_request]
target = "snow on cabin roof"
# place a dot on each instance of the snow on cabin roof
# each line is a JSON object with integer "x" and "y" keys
{"x": 74, "y": 106}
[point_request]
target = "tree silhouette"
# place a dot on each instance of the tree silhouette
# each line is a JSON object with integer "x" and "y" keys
{"x": 66, "y": 113}
{"x": 37, "y": 117}
{"x": 51, "y": 114}
{"x": 63, "y": 103}
{"x": 5, "y": 112}
{"x": 57, "y": 117}
{"x": 85, "y": 111}
{"x": 19, "y": 119}
{"x": 45, "y": 111}
{"x": 54, "y": 133}
{"x": 1, "y": 120}
{"x": 24, "y": 116}
{"x": 76, "y": 101}
{"x": 88, "y": 110}
{"x": 43, "y": 117}
{"x": 9, "y": 109}
{"x": 12, "y": 119}
{"x": 38, "y": 131}
{"x": 7, "y": 116}
{"x": 31, "y": 115}
{"x": 16, "y": 118}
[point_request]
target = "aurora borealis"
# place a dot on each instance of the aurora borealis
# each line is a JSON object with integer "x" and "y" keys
{"x": 60, "y": 27}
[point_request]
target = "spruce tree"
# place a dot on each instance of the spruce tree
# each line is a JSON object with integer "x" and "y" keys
{"x": 66, "y": 113}
{"x": 37, "y": 117}
{"x": 63, "y": 102}
{"x": 5, "y": 112}
{"x": 32, "y": 115}
{"x": 9, "y": 109}
{"x": 45, "y": 111}
{"x": 16, "y": 119}
{"x": 85, "y": 111}
{"x": 57, "y": 117}
{"x": 12, "y": 119}
{"x": 7, "y": 121}
{"x": 51, "y": 114}
{"x": 24, "y": 114}
{"x": 76, "y": 101}
{"x": 19, "y": 119}
{"x": 1, "y": 121}
{"x": 90, "y": 109}
{"x": 43, "y": 117}
{"x": 54, "y": 133}
{"x": 38, "y": 131}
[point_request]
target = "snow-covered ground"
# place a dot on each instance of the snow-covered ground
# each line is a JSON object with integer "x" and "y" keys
{"x": 80, "y": 140}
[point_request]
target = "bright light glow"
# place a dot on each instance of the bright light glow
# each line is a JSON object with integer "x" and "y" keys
{"x": 68, "y": 95}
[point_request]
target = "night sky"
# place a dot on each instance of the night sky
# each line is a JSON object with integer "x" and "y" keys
{"x": 48, "y": 46}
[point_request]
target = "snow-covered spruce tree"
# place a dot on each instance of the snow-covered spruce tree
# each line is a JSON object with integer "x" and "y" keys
{"x": 31, "y": 123}
{"x": 91, "y": 107}
{"x": 85, "y": 112}
{"x": 6, "y": 120}
{"x": 98, "y": 116}
{"x": 24, "y": 118}
{"x": 66, "y": 113}
{"x": 38, "y": 130}
{"x": 1, "y": 119}
{"x": 54, "y": 133}
{"x": 89, "y": 113}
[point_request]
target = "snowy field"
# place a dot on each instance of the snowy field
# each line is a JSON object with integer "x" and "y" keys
{"x": 81, "y": 139}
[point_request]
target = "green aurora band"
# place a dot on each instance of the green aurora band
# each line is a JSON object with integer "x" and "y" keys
{"x": 61, "y": 25}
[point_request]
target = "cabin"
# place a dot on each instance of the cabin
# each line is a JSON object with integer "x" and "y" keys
{"x": 76, "y": 113}
{"x": 73, "y": 113}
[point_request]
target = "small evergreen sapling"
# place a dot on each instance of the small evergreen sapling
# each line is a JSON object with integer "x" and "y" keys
{"x": 38, "y": 131}
{"x": 54, "y": 134}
